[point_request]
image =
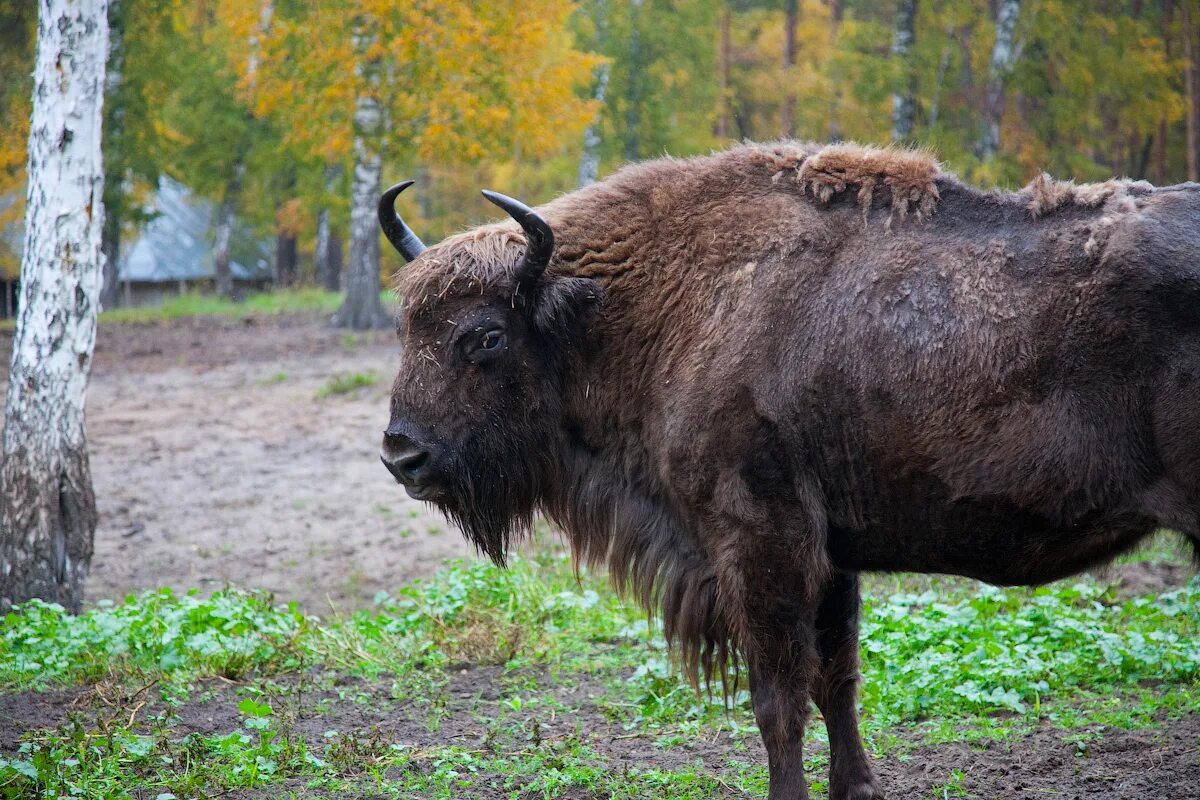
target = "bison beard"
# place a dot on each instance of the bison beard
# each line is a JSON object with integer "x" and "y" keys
{"x": 810, "y": 362}
{"x": 492, "y": 494}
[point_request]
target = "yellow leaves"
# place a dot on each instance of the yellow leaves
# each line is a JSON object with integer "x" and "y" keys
{"x": 14, "y": 138}
{"x": 291, "y": 216}
{"x": 459, "y": 78}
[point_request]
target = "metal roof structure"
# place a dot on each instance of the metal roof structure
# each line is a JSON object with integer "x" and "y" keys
{"x": 177, "y": 243}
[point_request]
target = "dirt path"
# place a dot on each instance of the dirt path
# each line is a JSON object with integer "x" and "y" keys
{"x": 215, "y": 461}
{"x": 1150, "y": 764}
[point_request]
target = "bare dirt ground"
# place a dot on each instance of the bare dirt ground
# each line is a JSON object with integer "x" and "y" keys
{"x": 215, "y": 461}
{"x": 1159, "y": 764}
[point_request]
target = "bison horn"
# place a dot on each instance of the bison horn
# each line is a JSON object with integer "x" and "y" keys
{"x": 538, "y": 237}
{"x": 397, "y": 232}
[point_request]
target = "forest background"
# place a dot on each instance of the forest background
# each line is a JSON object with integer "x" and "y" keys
{"x": 287, "y": 115}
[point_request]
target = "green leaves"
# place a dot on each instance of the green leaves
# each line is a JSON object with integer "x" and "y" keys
{"x": 1009, "y": 649}
{"x": 963, "y": 658}
{"x": 226, "y": 634}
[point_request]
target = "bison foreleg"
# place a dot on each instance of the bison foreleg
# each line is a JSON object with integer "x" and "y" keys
{"x": 835, "y": 690}
{"x": 779, "y": 691}
{"x": 778, "y": 641}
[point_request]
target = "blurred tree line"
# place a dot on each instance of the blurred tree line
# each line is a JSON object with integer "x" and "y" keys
{"x": 293, "y": 115}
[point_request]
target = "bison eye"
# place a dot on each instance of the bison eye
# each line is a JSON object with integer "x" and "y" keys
{"x": 485, "y": 345}
{"x": 492, "y": 340}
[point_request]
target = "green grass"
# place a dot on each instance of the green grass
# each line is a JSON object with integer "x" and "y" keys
{"x": 194, "y": 304}
{"x": 963, "y": 662}
{"x": 347, "y": 383}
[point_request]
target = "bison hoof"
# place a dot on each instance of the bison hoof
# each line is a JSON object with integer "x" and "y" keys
{"x": 868, "y": 790}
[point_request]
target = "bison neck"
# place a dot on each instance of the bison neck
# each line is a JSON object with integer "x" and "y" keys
{"x": 617, "y": 514}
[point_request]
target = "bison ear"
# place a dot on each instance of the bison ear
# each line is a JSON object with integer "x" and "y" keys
{"x": 564, "y": 307}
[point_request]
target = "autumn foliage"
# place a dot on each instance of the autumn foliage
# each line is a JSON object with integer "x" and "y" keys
{"x": 261, "y": 94}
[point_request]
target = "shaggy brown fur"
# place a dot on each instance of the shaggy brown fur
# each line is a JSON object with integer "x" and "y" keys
{"x": 1047, "y": 195}
{"x": 747, "y": 377}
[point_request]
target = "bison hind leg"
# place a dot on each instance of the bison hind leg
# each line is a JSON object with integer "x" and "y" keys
{"x": 835, "y": 690}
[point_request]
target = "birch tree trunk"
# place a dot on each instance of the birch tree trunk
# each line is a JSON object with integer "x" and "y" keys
{"x": 589, "y": 162}
{"x": 362, "y": 309}
{"x": 114, "y": 122}
{"x": 223, "y": 236}
{"x": 49, "y": 511}
{"x": 1004, "y": 53}
{"x": 227, "y": 212}
{"x": 903, "y": 103}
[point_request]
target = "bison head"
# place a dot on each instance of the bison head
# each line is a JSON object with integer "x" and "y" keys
{"x": 487, "y": 334}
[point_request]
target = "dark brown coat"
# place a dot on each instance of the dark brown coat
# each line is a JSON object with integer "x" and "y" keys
{"x": 747, "y": 377}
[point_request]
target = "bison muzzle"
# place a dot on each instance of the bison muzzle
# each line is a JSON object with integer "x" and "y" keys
{"x": 739, "y": 381}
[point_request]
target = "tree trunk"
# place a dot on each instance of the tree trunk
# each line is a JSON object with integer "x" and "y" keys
{"x": 1191, "y": 82}
{"x": 362, "y": 309}
{"x": 114, "y": 123}
{"x": 633, "y": 110}
{"x": 327, "y": 256}
{"x": 787, "y": 115}
{"x": 226, "y": 219}
{"x": 935, "y": 104}
{"x": 836, "y": 13}
{"x": 110, "y": 245}
{"x": 285, "y": 259}
{"x": 1004, "y": 53}
{"x": 266, "y": 13}
{"x": 724, "y": 57}
{"x": 903, "y": 103}
{"x": 227, "y": 212}
{"x": 334, "y": 263}
{"x": 589, "y": 162}
{"x": 49, "y": 511}
{"x": 1164, "y": 123}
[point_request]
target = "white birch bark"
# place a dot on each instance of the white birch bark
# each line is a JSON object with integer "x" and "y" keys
{"x": 903, "y": 102}
{"x": 1004, "y": 54}
{"x": 223, "y": 231}
{"x": 266, "y": 13}
{"x": 49, "y": 514}
{"x": 362, "y": 309}
{"x": 589, "y": 163}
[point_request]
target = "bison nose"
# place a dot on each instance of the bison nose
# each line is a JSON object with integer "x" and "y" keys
{"x": 409, "y": 462}
{"x": 408, "y": 467}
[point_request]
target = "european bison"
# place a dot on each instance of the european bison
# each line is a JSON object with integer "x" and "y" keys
{"x": 742, "y": 379}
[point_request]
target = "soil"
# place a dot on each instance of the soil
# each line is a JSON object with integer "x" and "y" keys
{"x": 215, "y": 462}
{"x": 362, "y": 720}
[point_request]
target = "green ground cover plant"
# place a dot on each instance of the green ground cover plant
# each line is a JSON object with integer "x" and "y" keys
{"x": 553, "y": 670}
{"x": 195, "y": 304}
{"x": 347, "y": 383}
